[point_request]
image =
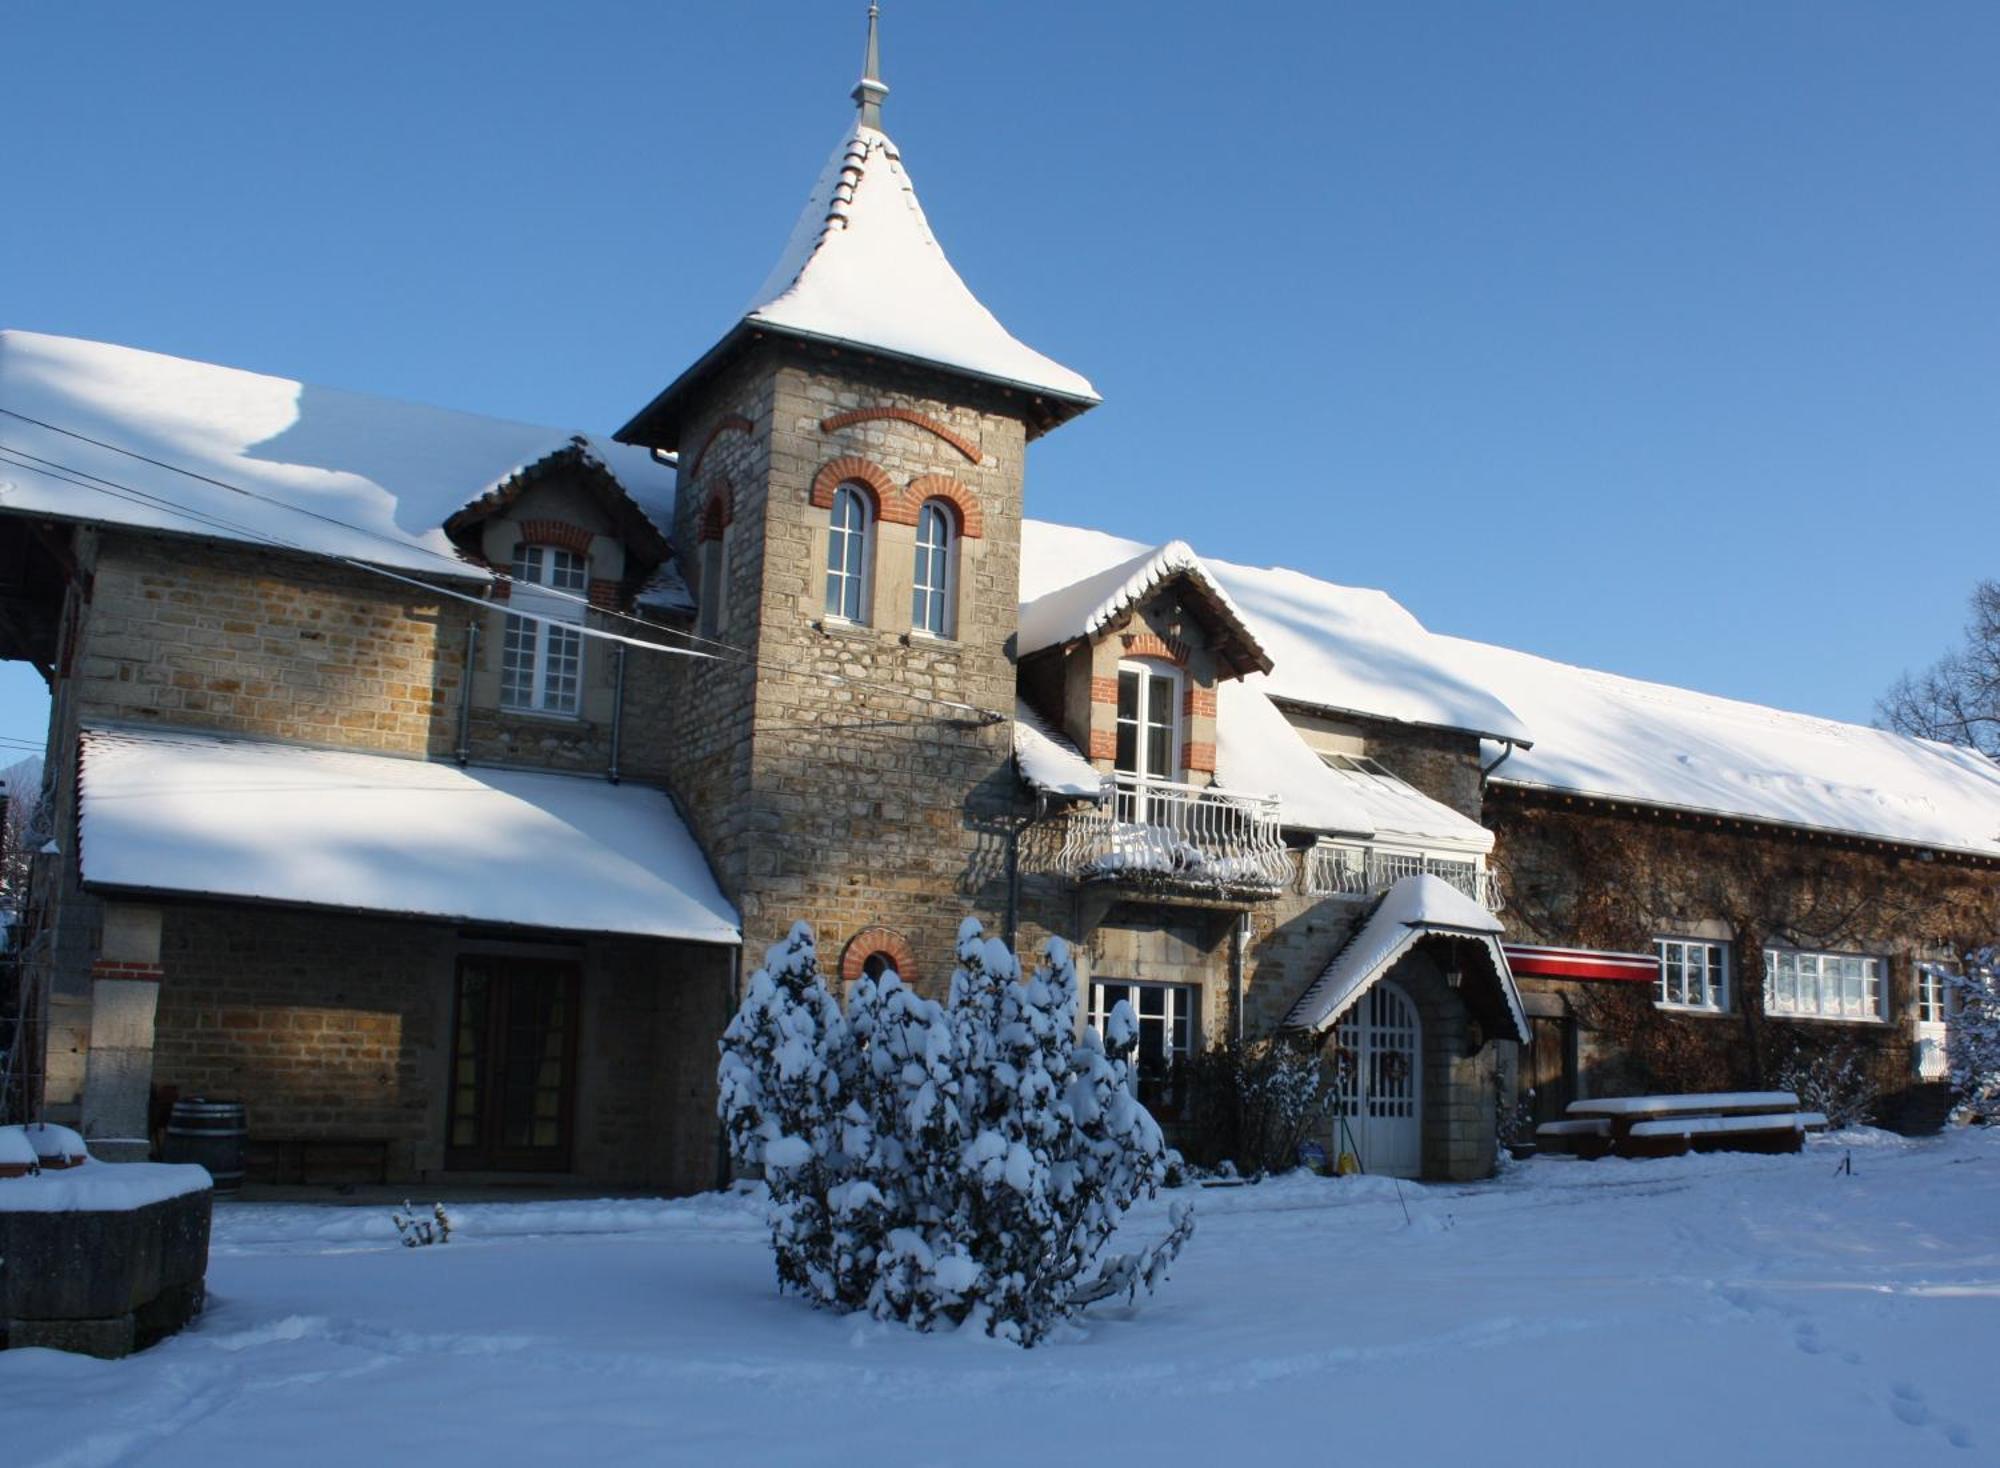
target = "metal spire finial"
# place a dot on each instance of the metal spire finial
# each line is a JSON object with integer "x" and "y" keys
{"x": 871, "y": 89}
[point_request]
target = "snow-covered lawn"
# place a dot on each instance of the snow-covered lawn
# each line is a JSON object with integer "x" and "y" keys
{"x": 1704, "y": 1310}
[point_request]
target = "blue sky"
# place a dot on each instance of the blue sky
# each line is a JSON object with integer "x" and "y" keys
{"x": 1658, "y": 338}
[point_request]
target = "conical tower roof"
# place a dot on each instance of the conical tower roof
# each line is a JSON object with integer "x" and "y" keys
{"x": 862, "y": 269}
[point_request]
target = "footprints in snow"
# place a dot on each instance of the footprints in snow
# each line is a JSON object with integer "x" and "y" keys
{"x": 1906, "y": 1402}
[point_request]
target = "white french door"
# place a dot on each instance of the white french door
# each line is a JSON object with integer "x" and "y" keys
{"x": 1149, "y": 705}
{"x": 1379, "y": 1043}
{"x": 1933, "y": 1022}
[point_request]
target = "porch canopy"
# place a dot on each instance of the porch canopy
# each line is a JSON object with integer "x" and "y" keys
{"x": 1416, "y": 908}
{"x": 200, "y": 816}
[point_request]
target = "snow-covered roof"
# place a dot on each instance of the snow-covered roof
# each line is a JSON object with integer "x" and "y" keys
{"x": 1617, "y": 738}
{"x": 206, "y": 816}
{"x": 257, "y": 458}
{"x": 1075, "y": 582}
{"x": 1049, "y": 762}
{"x": 1332, "y": 647}
{"x": 1412, "y": 909}
{"x": 1349, "y": 649}
{"x": 862, "y": 266}
{"x": 1258, "y": 753}
{"x": 1086, "y": 606}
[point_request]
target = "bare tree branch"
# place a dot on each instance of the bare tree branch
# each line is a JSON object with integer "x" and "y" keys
{"x": 1956, "y": 699}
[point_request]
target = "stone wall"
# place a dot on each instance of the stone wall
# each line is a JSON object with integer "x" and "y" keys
{"x": 337, "y": 1027}
{"x": 851, "y": 779}
{"x": 264, "y": 644}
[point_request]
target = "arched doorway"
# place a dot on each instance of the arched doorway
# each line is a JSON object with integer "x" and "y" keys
{"x": 1379, "y": 1043}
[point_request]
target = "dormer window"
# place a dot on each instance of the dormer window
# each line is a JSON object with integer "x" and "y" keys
{"x": 849, "y": 553}
{"x": 541, "y": 664}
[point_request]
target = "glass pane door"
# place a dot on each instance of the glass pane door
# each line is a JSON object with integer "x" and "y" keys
{"x": 513, "y": 1064}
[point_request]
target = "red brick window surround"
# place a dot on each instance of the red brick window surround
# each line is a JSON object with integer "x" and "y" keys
{"x": 558, "y": 533}
{"x": 887, "y": 944}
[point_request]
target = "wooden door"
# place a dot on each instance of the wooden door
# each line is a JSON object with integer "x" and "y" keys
{"x": 1550, "y": 1068}
{"x": 513, "y": 1079}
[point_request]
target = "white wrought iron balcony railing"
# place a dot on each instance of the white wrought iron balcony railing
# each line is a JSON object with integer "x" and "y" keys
{"x": 1367, "y": 871}
{"x": 1189, "y": 835}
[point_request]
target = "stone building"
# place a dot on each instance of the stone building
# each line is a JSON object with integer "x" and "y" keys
{"x": 432, "y": 783}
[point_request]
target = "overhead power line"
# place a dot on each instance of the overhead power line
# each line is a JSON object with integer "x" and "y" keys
{"x": 723, "y": 651}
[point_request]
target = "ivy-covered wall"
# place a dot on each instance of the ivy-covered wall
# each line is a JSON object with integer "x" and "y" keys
{"x": 1578, "y": 874}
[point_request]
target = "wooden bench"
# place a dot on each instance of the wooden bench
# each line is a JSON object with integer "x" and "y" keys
{"x": 1671, "y": 1126}
{"x": 1582, "y": 1138}
{"x": 315, "y": 1160}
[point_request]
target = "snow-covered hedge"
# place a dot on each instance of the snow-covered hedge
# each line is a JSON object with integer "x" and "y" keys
{"x": 943, "y": 1163}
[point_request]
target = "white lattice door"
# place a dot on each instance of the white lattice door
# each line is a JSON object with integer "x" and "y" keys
{"x": 1380, "y": 1045}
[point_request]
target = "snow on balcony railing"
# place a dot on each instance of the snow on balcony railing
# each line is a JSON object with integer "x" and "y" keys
{"x": 1182, "y": 834}
{"x": 1367, "y": 871}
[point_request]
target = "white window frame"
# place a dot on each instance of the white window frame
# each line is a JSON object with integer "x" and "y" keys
{"x": 842, "y": 577}
{"x": 1937, "y": 998}
{"x": 941, "y": 558}
{"x": 1178, "y": 1008}
{"x": 547, "y": 657}
{"x": 1147, "y": 669}
{"x": 1677, "y": 980}
{"x": 1788, "y": 972}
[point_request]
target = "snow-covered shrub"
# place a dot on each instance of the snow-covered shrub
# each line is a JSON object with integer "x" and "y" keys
{"x": 1833, "y": 1077}
{"x": 780, "y": 1076}
{"x": 1254, "y": 1102}
{"x": 416, "y": 1231}
{"x": 936, "y": 1165}
{"x": 1972, "y": 1043}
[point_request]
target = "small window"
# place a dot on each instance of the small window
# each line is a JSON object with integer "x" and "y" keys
{"x": 541, "y": 664}
{"x": 931, "y": 586}
{"x": 1822, "y": 985}
{"x": 848, "y": 554}
{"x": 714, "y": 588}
{"x": 1692, "y": 976}
{"x": 1934, "y": 994}
{"x": 1168, "y": 1024}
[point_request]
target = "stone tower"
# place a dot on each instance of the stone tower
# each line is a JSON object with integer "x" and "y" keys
{"x": 849, "y": 514}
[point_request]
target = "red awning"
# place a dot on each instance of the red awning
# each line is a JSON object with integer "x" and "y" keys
{"x": 1530, "y": 962}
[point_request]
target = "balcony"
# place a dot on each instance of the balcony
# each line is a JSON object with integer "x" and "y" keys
{"x": 1368, "y": 871}
{"x": 1191, "y": 837}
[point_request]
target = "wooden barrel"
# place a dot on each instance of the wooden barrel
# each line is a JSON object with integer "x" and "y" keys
{"x": 210, "y": 1133}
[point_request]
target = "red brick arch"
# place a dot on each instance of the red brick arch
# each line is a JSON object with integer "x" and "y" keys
{"x": 903, "y": 415}
{"x": 971, "y": 519}
{"x": 557, "y": 533}
{"x": 1152, "y": 645}
{"x": 885, "y": 941}
{"x": 851, "y": 470}
{"x": 731, "y": 423}
{"x": 717, "y": 514}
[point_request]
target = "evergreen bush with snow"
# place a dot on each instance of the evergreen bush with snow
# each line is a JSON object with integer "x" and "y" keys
{"x": 939, "y": 1164}
{"x": 1973, "y": 1041}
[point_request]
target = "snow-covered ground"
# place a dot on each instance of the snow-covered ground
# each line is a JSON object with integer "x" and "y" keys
{"x": 1720, "y": 1309}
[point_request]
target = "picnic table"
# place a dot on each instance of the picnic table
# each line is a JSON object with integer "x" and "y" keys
{"x": 1669, "y": 1126}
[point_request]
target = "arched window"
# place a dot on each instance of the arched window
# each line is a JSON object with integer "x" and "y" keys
{"x": 541, "y": 665}
{"x": 931, "y": 586}
{"x": 849, "y": 531}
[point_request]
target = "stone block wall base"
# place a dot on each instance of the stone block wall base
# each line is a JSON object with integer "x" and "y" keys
{"x": 105, "y": 1339}
{"x": 114, "y": 1336}
{"x": 120, "y": 1149}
